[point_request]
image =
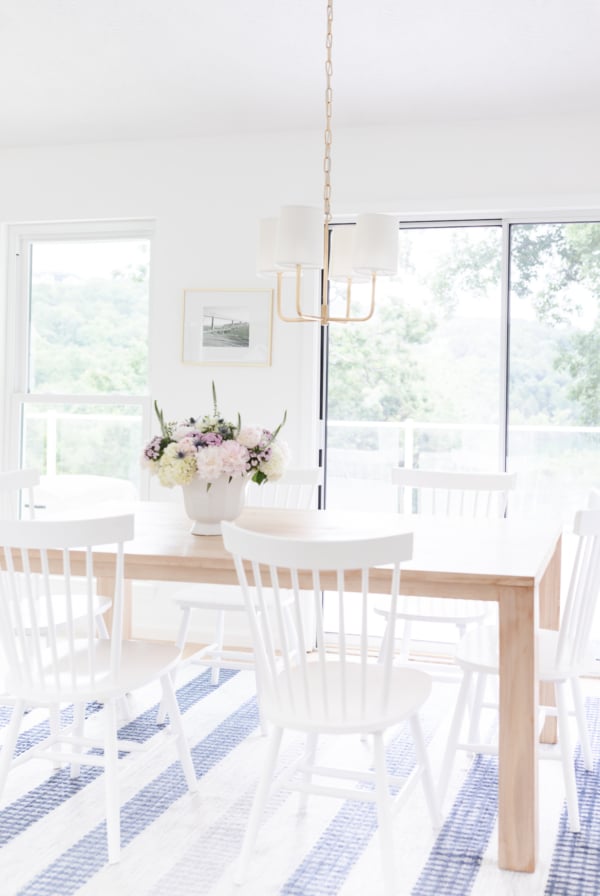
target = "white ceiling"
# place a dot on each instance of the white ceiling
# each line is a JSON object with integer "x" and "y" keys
{"x": 94, "y": 70}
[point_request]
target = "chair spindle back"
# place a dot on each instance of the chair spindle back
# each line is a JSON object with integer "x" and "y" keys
{"x": 297, "y": 489}
{"x": 584, "y": 588}
{"x": 324, "y": 681}
{"x": 443, "y": 493}
{"x": 49, "y": 648}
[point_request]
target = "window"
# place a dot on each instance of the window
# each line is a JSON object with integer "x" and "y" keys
{"x": 483, "y": 354}
{"x": 554, "y": 362}
{"x": 78, "y": 363}
{"x": 418, "y": 385}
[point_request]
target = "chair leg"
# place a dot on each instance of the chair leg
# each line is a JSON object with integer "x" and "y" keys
{"x": 475, "y": 709}
{"x": 54, "y": 723}
{"x": 10, "y": 741}
{"x": 219, "y": 639}
{"x": 183, "y": 750}
{"x": 111, "y": 783}
{"x": 453, "y": 735}
{"x": 180, "y": 641}
{"x": 125, "y": 710}
{"x": 427, "y": 777}
{"x": 385, "y": 643}
{"x": 584, "y": 735}
{"x": 78, "y": 722}
{"x": 258, "y": 804}
{"x": 384, "y": 815}
{"x": 405, "y": 642}
{"x": 566, "y": 755}
{"x": 101, "y": 627}
{"x": 309, "y": 759}
{"x": 264, "y": 727}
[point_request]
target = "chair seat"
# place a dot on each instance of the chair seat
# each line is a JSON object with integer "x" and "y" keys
{"x": 409, "y": 689}
{"x": 141, "y": 661}
{"x": 478, "y": 651}
{"x": 211, "y": 597}
{"x": 227, "y": 598}
{"x": 425, "y": 609}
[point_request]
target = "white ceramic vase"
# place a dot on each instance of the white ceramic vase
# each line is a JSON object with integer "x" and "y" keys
{"x": 222, "y": 501}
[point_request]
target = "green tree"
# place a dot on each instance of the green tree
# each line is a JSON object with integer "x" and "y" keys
{"x": 555, "y": 372}
{"x": 374, "y": 374}
{"x": 90, "y": 336}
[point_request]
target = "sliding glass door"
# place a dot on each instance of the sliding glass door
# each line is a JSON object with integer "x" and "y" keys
{"x": 554, "y": 362}
{"x": 483, "y": 354}
{"x": 419, "y": 384}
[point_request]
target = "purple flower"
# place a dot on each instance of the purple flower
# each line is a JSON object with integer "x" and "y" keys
{"x": 209, "y": 438}
{"x": 152, "y": 449}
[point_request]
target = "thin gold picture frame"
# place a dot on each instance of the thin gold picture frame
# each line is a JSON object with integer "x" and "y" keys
{"x": 227, "y": 327}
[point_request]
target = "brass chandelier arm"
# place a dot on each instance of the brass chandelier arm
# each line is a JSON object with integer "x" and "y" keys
{"x": 348, "y": 319}
{"x": 302, "y": 318}
{"x": 324, "y": 318}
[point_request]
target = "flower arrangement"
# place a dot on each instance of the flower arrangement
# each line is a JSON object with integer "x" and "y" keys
{"x": 208, "y": 447}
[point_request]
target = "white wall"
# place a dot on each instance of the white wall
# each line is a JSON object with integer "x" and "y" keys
{"x": 206, "y": 197}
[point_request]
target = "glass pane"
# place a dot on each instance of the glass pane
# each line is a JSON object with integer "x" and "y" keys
{"x": 89, "y": 316}
{"x": 99, "y": 440}
{"x": 418, "y": 385}
{"x": 554, "y": 397}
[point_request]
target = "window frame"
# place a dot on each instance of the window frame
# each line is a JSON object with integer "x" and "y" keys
{"x": 19, "y": 239}
{"x": 505, "y": 222}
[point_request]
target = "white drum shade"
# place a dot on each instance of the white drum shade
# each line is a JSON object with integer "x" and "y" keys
{"x": 376, "y": 244}
{"x": 341, "y": 257}
{"x": 300, "y": 237}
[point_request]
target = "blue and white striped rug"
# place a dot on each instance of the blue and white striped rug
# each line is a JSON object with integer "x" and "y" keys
{"x": 53, "y": 836}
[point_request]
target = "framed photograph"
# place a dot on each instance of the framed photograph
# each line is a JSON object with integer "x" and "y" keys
{"x": 227, "y": 326}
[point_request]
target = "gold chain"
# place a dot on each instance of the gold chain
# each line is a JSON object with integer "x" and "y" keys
{"x": 328, "y": 98}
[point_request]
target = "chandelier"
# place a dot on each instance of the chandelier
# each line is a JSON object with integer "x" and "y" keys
{"x": 301, "y": 238}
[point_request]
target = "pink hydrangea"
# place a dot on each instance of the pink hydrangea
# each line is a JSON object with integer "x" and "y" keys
{"x": 234, "y": 458}
{"x": 209, "y": 463}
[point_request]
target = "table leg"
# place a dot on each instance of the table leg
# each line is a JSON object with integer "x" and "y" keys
{"x": 550, "y": 618}
{"x": 517, "y": 765}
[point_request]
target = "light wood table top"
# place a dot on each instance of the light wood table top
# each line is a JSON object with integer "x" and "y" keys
{"x": 447, "y": 552}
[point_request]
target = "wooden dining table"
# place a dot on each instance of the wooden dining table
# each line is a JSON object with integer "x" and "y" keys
{"x": 514, "y": 563}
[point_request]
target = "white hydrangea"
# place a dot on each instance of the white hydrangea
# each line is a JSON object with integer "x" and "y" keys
{"x": 250, "y": 436}
{"x": 274, "y": 467}
{"x": 175, "y": 469}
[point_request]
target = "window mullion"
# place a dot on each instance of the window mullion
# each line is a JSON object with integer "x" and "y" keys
{"x": 503, "y": 368}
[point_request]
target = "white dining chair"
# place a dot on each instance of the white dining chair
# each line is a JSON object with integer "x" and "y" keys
{"x": 563, "y": 656}
{"x": 296, "y": 489}
{"x": 326, "y": 687}
{"x": 447, "y": 494}
{"x": 57, "y": 663}
{"x": 18, "y": 489}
